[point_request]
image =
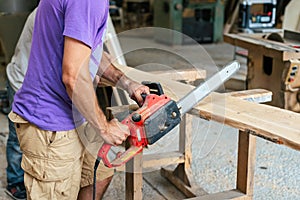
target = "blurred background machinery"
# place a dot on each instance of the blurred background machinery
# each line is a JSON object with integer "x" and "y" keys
{"x": 257, "y": 15}
{"x": 200, "y": 20}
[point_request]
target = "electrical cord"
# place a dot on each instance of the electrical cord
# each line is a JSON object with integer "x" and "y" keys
{"x": 95, "y": 176}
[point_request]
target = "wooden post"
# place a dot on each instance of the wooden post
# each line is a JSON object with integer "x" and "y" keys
{"x": 134, "y": 178}
{"x": 183, "y": 170}
{"x": 246, "y": 163}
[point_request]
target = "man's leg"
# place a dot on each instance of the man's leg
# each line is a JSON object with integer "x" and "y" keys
{"x": 104, "y": 177}
{"x": 86, "y": 193}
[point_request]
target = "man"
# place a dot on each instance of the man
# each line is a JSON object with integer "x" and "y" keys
{"x": 57, "y": 91}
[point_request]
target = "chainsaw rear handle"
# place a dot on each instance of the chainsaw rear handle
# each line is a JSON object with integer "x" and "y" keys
{"x": 155, "y": 87}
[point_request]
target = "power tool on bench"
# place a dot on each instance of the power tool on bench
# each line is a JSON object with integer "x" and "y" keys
{"x": 160, "y": 114}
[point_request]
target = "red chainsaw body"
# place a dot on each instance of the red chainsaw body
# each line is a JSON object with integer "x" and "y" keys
{"x": 137, "y": 138}
{"x": 137, "y": 132}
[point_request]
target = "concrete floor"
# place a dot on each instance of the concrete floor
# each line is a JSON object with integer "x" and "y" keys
{"x": 277, "y": 174}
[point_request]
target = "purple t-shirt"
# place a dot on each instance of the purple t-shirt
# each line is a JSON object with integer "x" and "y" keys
{"x": 43, "y": 100}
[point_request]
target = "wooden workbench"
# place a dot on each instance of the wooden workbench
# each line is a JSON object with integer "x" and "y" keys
{"x": 268, "y": 62}
{"x": 251, "y": 119}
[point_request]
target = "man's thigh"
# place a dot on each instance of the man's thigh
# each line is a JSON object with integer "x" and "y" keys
{"x": 52, "y": 161}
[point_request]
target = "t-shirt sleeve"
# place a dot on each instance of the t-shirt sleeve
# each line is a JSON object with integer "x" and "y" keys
{"x": 83, "y": 19}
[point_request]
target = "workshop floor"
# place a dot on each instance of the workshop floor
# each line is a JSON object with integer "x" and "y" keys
{"x": 277, "y": 174}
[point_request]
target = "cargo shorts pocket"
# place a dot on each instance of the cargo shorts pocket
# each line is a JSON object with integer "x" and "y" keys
{"x": 62, "y": 190}
{"x": 48, "y": 155}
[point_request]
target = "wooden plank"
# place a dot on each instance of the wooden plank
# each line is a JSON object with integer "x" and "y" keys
{"x": 232, "y": 194}
{"x": 246, "y": 163}
{"x": 168, "y": 158}
{"x": 188, "y": 75}
{"x": 254, "y": 95}
{"x": 274, "y": 124}
{"x": 169, "y": 86}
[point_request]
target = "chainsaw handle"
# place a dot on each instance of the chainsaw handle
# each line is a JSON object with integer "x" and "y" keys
{"x": 155, "y": 87}
{"x": 121, "y": 158}
{"x": 102, "y": 153}
{"x": 144, "y": 95}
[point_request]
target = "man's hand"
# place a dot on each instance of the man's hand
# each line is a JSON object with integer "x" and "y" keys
{"x": 115, "y": 133}
{"x": 135, "y": 91}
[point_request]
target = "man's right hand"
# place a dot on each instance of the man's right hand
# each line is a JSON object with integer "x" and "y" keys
{"x": 116, "y": 133}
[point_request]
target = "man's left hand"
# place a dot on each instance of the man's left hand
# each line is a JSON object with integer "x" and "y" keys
{"x": 136, "y": 90}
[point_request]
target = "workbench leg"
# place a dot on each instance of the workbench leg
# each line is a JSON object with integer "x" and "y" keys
{"x": 134, "y": 178}
{"x": 246, "y": 163}
{"x": 183, "y": 171}
{"x": 182, "y": 177}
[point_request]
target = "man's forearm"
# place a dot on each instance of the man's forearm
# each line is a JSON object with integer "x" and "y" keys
{"x": 83, "y": 97}
{"x": 110, "y": 75}
{"x": 78, "y": 82}
{"x": 115, "y": 77}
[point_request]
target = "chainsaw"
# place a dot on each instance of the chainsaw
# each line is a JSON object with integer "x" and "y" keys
{"x": 160, "y": 114}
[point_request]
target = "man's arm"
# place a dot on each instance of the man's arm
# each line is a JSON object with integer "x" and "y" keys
{"x": 76, "y": 77}
{"x": 109, "y": 74}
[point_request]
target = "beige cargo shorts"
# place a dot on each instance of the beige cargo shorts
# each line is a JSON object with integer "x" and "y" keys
{"x": 56, "y": 163}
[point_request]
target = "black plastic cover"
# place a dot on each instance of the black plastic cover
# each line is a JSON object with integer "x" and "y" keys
{"x": 162, "y": 122}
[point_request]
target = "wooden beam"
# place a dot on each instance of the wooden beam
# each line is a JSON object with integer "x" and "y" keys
{"x": 232, "y": 194}
{"x": 246, "y": 163}
{"x": 134, "y": 178}
{"x": 168, "y": 158}
{"x": 271, "y": 123}
{"x": 187, "y": 75}
{"x": 254, "y": 95}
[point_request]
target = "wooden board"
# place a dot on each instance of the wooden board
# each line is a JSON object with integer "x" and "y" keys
{"x": 277, "y": 125}
{"x": 232, "y": 194}
{"x": 254, "y": 95}
{"x": 173, "y": 89}
{"x": 188, "y": 75}
{"x": 274, "y": 124}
